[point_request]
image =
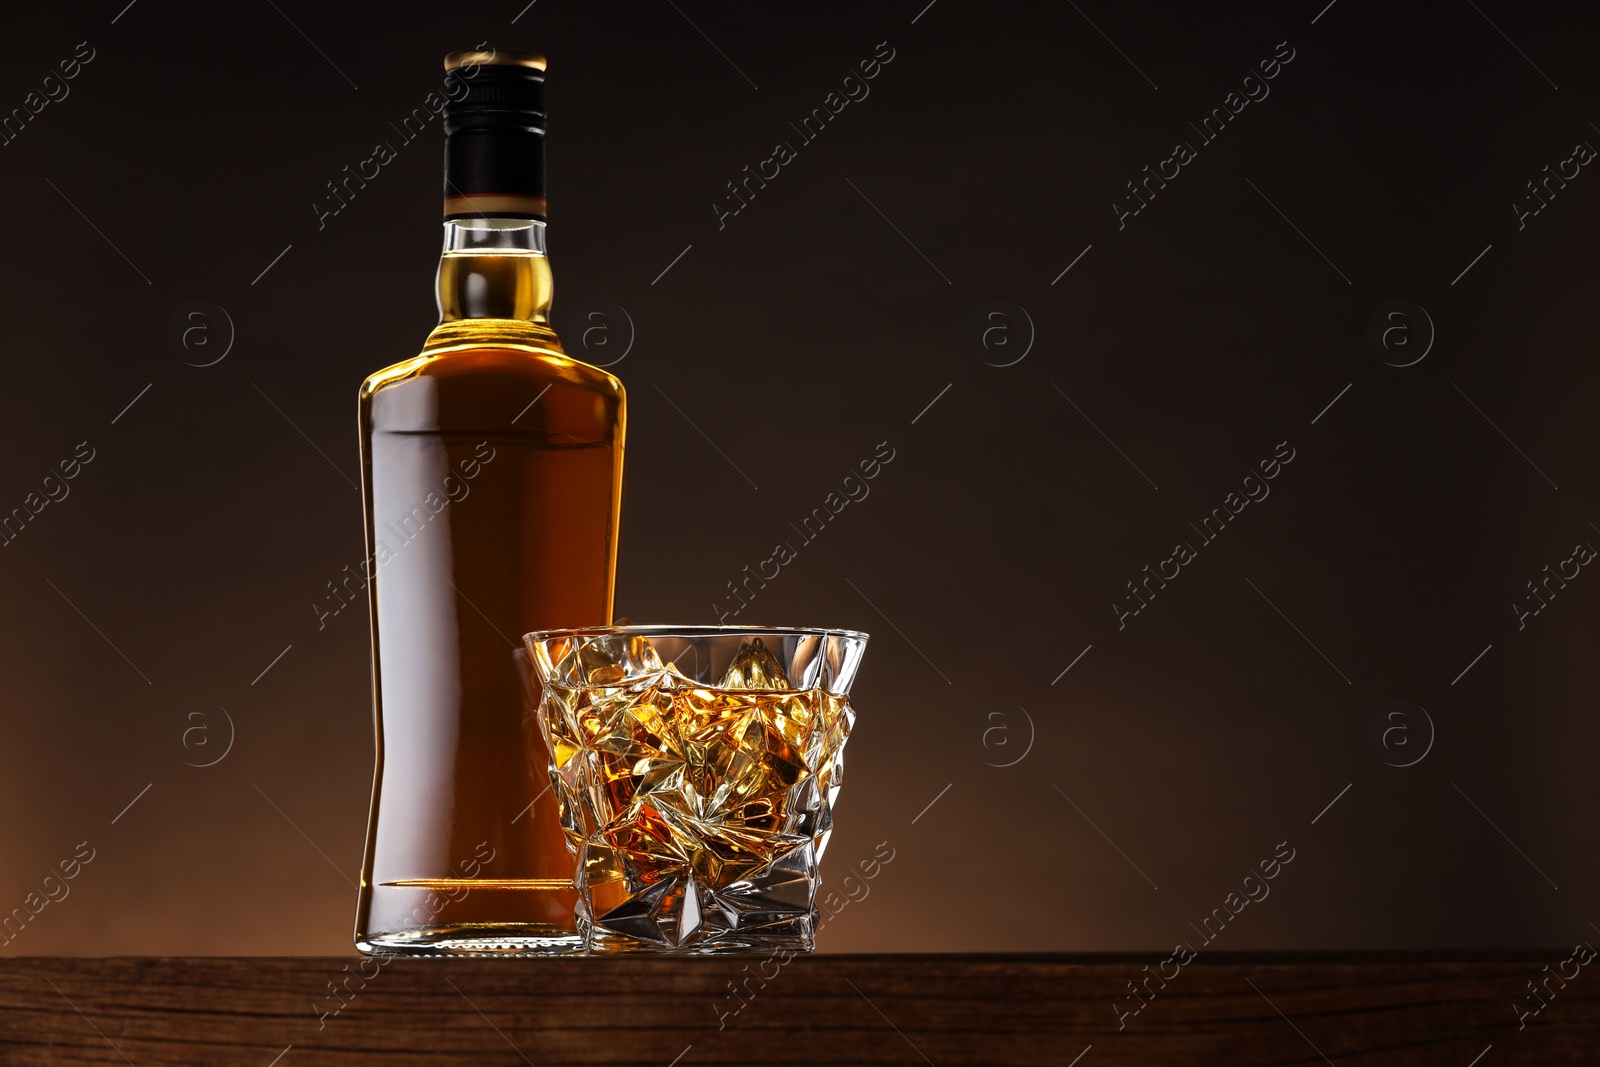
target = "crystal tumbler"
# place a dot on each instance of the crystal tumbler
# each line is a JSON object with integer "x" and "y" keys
{"x": 696, "y": 770}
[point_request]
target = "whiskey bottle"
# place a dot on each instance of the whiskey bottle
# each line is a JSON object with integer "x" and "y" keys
{"x": 492, "y": 478}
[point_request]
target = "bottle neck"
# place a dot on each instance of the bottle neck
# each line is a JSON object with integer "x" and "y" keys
{"x": 494, "y": 268}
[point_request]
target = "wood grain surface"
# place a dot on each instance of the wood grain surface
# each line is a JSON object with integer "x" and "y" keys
{"x": 944, "y": 1010}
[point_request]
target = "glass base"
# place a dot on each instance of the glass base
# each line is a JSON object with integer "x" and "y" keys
{"x": 716, "y": 930}
{"x": 607, "y": 944}
{"x": 485, "y": 939}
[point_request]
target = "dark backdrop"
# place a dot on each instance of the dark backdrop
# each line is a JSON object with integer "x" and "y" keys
{"x": 942, "y": 273}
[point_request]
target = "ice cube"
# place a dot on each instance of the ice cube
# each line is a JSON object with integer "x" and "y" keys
{"x": 754, "y": 667}
{"x": 614, "y": 658}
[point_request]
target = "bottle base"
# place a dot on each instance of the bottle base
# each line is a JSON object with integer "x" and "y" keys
{"x": 477, "y": 939}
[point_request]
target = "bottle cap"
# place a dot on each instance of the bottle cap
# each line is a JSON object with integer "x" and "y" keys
{"x": 494, "y": 120}
{"x": 493, "y": 57}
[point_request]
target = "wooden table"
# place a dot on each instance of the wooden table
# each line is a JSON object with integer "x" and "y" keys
{"x": 1342, "y": 1009}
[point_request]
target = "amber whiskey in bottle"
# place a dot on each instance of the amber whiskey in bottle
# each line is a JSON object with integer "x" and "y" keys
{"x": 492, "y": 478}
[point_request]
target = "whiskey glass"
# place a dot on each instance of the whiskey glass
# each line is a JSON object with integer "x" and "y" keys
{"x": 696, "y": 769}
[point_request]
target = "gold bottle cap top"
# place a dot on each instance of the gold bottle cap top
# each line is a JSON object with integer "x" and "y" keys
{"x": 501, "y": 57}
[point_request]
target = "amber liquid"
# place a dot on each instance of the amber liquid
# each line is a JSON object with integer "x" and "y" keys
{"x": 492, "y": 466}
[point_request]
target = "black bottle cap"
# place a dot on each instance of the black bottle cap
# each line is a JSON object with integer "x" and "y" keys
{"x": 494, "y": 135}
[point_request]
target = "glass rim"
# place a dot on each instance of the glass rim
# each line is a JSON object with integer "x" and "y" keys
{"x": 690, "y": 632}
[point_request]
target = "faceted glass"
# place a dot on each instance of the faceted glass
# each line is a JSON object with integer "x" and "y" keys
{"x": 696, "y": 770}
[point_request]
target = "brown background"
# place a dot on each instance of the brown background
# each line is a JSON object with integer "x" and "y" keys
{"x": 797, "y": 338}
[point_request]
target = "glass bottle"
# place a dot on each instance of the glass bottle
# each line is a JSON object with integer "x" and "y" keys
{"x": 492, "y": 478}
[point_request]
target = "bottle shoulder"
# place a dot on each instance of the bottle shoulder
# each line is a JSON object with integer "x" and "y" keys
{"x": 484, "y": 356}
{"x": 515, "y": 381}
